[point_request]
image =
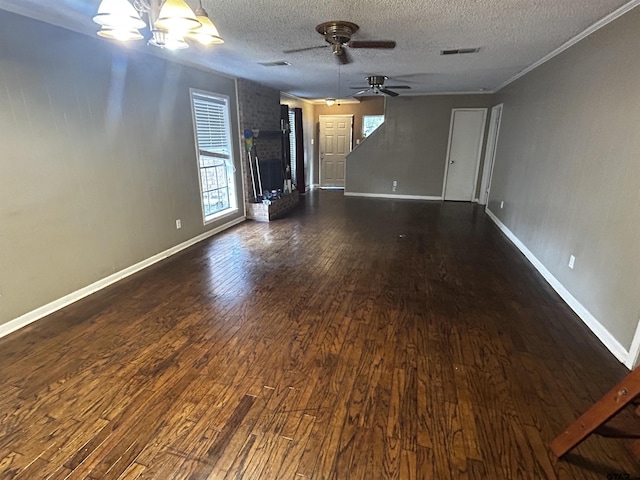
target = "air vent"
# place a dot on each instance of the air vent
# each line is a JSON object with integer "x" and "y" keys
{"x": 280, "y": 63}
{"x": 459, "y": 51}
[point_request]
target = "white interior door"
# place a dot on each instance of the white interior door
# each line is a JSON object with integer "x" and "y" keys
{"x": 490, "y": 154}
{"x": 335, "y": 145}
{"x": 466, "y": 135}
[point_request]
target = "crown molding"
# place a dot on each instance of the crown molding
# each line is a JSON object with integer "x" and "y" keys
{"x": 339, "y": 101}
{"x": 295, "y": 97}
{"x": 572, "y": 41}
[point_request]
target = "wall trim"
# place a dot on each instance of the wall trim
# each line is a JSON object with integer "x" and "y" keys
{"x": 49, "y": 308}
{"x": 295, "y": 97}
{"x": 572, "y": 41}
{"x": 339, "y": 101}
{"x": 589, "y": 320}
{"x": 392, "y": 196}
{"x": 439, "y": 94}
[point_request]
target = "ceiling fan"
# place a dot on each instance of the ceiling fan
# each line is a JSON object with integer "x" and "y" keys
{"x": 337, "y": 34}
{"x": 376, "y": 87}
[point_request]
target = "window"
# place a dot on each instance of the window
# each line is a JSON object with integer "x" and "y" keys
{"x": 292, "y": 144}
{"x": 215, "y": 155}
{"x": 370, "y": 123}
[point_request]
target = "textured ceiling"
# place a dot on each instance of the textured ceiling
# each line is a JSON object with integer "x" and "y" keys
{"x": 511, "y": 34}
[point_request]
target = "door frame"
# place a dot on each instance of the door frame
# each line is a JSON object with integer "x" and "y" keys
{"x": 478, "y": 156}
{"x": 490, "y": 153}
{"x": 346, "y": 115}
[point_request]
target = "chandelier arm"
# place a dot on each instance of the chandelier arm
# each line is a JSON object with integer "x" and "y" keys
{"x": 142, "y": 5}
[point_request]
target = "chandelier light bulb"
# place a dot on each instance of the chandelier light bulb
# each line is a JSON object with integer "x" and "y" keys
{"x": 170, "y": 21}
{"x": 119, "y": 34}
{"x": 207, "y": 34}
{"x": 118, "y": 14}
{"x": 176, "y": 17}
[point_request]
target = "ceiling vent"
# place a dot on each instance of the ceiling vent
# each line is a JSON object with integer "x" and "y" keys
{"x": 459, "y": 51}
{"x": 280, "y": 63}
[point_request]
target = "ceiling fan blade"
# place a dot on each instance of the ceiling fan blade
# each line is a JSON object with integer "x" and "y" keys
{"x": 359, "y": 88}
{"x": 372, "y": 44}
{"x": 360, "y": 92}
{"x": 388, "y": 92}
{"x": 398, "y": 86}
{"x": 344, "y": 57}
{"x": 304, "y": 49}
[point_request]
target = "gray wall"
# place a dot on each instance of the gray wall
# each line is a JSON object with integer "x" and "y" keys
{"x": 410, "y": 147}
{"x": 568, "y": 170}
{"x": 97, "y": 160}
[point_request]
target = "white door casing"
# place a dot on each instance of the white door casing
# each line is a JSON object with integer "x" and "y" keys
{"x": 466, "y": 136}
{"x": 490, "y": 154}
{"x": 335, "y": 145}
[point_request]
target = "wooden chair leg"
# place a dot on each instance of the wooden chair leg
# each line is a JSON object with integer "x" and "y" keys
{"x": 601, "y": 411}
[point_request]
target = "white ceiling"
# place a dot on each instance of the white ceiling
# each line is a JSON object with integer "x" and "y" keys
{"x": 512, "y": 35}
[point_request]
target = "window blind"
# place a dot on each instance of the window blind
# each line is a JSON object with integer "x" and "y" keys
{"x": 211, "y": 121}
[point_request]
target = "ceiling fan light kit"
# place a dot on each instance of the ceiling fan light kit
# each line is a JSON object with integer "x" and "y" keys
{"x": 376, "y": 87}
{"x": 170, "y": 22}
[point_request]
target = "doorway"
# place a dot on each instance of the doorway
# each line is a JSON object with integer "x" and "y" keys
{"x": 335, "y": 145}
{"x": 490, "y": 154}
{"x": 466, "y": 136}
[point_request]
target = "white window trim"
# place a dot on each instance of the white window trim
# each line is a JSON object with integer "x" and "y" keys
{"x": 381, "y": 123}
{"x": 231, "y": 168}
{"x": 293, "y": 146}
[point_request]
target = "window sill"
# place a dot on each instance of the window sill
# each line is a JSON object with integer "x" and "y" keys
{"x": 220, "y": 215}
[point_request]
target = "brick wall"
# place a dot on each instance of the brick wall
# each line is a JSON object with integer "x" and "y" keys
{"x": 278, "y": 208}
{"x": 259, "y": 109}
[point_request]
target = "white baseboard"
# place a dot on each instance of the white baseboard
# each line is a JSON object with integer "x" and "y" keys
{"x": 391, "y": 195}
{"x": 634, "y": 350}
{"x": 49, "y": 308}
{"x": 590, "y": 321}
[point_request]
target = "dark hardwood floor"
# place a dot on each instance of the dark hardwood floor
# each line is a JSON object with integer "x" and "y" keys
{"x": 356, "y": 338}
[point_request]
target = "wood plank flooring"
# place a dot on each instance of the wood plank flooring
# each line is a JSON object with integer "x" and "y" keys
{"x": 354, "y": 339}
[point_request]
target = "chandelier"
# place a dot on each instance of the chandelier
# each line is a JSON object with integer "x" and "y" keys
{"x": 171, "y": 22}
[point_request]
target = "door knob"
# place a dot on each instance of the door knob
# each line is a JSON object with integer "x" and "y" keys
{"x": 452, "y": 162}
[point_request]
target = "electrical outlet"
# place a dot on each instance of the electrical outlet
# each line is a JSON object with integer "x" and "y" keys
{"x": 502, "y": 204}
{"x": 394, "y": 186}
{"x": 178, "y": 224}
{"x": 572, "y": 261}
